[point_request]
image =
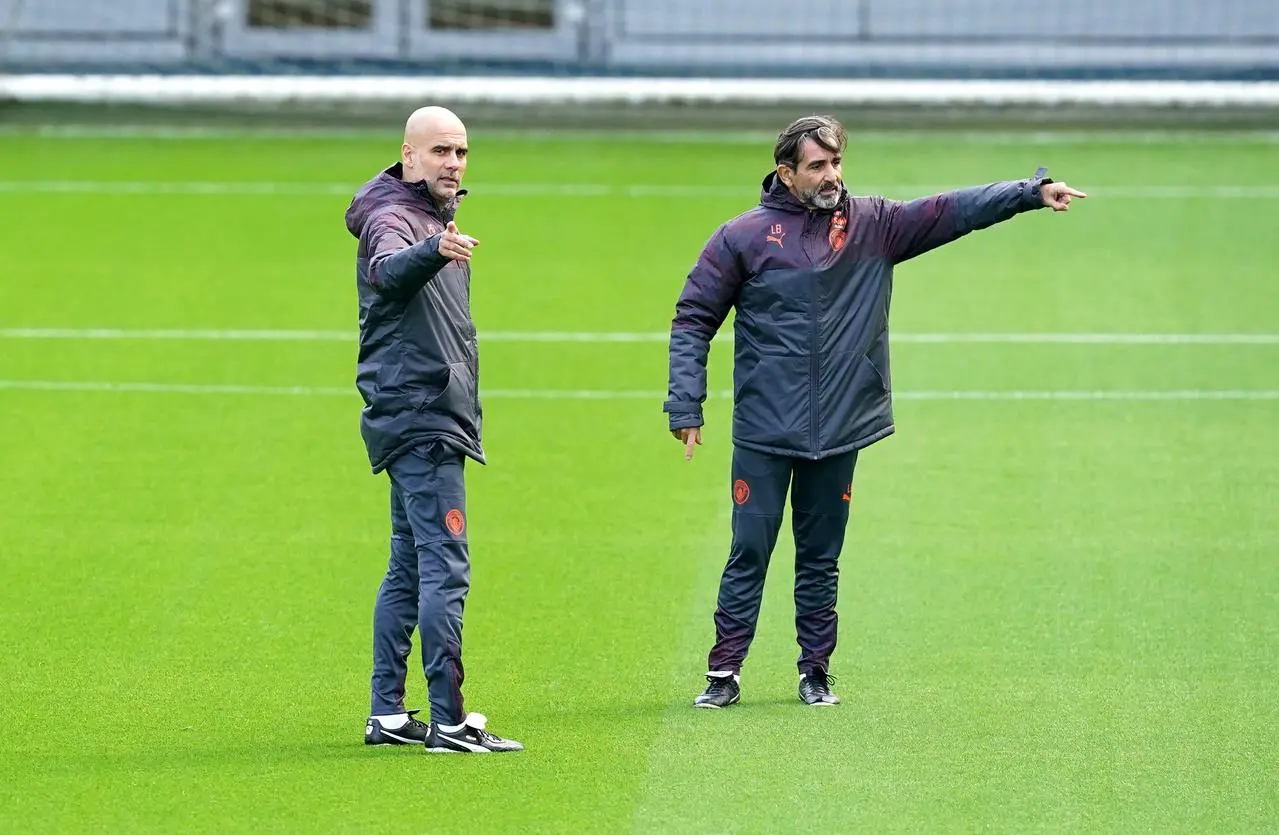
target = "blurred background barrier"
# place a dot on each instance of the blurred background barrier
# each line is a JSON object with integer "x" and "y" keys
{"x": 654, "y": 61}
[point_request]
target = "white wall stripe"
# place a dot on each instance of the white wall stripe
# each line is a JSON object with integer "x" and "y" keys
{"x": 202, "y": 188}
{"x": 598, "y": 337}
{"x": 1019, "y": 138}
{"x": 534, "y": 90}
{"x": 82, "y": 386}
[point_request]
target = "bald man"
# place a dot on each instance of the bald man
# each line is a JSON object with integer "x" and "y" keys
{"x": 418, "y": 374}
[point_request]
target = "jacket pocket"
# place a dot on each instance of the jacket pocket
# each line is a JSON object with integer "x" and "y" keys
{"x": 877, "y": 356}
{"x": 430, "y": 394}
{"x": 772, "y": 407}
{"x": 854, "y": 399}
{"x": 459, "y": 398}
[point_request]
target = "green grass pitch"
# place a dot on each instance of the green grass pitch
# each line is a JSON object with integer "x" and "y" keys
{"x": 1057, "y": 614}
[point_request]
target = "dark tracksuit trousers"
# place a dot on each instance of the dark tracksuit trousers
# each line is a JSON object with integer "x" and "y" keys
{"x": 426, "y": 583}
{"x": 820, "y": 493}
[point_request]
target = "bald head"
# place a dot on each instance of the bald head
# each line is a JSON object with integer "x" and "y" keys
{"x": 435, "y": 150}
{"x": 426, "y": 122}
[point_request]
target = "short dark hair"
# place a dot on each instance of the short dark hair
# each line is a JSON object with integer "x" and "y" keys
{"x": 826, "y": 131}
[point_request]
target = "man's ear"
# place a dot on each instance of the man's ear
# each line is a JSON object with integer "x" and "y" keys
{"x": 786, "y": 175}
{"x": 406, "y": 154}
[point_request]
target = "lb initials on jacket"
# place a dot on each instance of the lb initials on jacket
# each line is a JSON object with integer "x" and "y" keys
{"x": 838, "y": 230}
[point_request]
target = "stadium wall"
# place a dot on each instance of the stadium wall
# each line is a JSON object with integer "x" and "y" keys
{"x": 664, "y": 62}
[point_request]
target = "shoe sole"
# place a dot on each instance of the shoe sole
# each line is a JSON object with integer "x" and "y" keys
{"x": 821, "y": 704}
{"x": 709, "y": 706}
{"x": 392, "y": 739}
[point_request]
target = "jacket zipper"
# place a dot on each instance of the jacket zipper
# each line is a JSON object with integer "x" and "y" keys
{"x": 813, "y": 370}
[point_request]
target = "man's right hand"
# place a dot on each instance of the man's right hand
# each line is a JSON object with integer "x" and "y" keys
{"x": 454, "y": 245}
{"x": 1057, "y": 196}
{"x": 690, "y": 436}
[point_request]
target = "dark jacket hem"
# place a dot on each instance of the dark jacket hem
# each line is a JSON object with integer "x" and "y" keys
{"x": 476, "y": 455}
{"x": 860, "y": 443}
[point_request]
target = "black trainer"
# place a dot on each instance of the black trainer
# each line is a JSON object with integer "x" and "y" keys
{"x": 412, "y": 732}
{"x": 471, "y": 738}
{"x": 721, "y": 691}
{"x": 814, "y": 688}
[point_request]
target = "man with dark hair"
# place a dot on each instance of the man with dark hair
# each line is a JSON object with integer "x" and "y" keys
{"x": 809, "y": 272}
{"x": 418, "y": 375}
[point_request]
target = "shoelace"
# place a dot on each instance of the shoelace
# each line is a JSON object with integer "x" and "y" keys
{"x": 718, "y": 684}
{"x": 820, "y": 680}
{"x": 485, "y": 736}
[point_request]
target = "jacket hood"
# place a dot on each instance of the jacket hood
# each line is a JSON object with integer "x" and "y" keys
{"x": 775, "y": 195}
{"x": 389, "y": 189}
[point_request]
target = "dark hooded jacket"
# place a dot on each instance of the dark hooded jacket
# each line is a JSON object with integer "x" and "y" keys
{"x": 811, "y": 289}
{"x": 418, "y": 370}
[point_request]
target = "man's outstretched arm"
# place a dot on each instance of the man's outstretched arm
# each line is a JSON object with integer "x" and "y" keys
{"x": 398, "y": 267}
{"x": 709, "y": 293}
{"x": 915, "y": 227}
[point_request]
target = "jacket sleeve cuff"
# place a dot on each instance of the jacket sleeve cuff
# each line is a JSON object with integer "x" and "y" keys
{"x": 1031, "y": 196}
{"x": 683, "y": 415}
{"x": 685, "y": 421}
{"x": 427, "y": 253}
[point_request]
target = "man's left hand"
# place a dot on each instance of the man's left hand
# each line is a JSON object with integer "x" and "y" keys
{"x": 1057, "y": 196}
{"x": 690, "y": 436}
{"x": 454, "y": 245}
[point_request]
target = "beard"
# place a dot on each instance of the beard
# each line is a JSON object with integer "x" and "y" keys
{"x": 823, "y": 196}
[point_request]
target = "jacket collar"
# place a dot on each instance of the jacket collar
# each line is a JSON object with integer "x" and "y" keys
{"x": 775, "y": 195}
{"x": 421, "y": 191}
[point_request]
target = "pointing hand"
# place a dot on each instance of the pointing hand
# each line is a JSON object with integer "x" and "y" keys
{"x": 454, "y": 245}
{"x": 1057, "y": 196}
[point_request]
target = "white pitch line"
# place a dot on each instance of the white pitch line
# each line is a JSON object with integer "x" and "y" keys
{"x": 181, "y": 187}
{"x": 247, "y": 188}
{"x": 1090, "y": 338}
{"x": 601, "y": 337}
{"x": 181, "y": 335}
{"x": 589, "y": 337}
{"x": 172, "y": 388}
{"x": 622, "y": 394}
{"x": 1175, "y": 395}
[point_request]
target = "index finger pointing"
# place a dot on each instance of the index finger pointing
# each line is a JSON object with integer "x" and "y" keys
{"x": 1073, "y": 193}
